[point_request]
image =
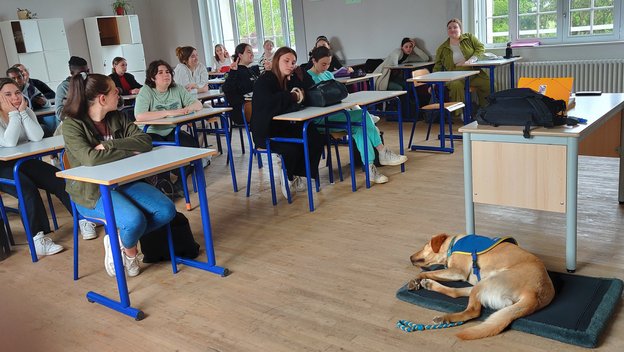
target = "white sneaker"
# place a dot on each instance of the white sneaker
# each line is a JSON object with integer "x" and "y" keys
{"x": 283, "y": 184}
{"x": 299, "y": 183}
{"x": 45, "y": 246}
{"x": 87, "y": 229}
{"x": 132, "y": 263}
{"x": 206, "y": 161}
{"x": 375, "y": 118}
{"x": 388, "y": 157}
{"x": 375, "y": 175}
{"x": 109, "y": 263}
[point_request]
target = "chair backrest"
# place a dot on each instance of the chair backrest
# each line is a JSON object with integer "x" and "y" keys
{"x": 65, "y": 161}
{"x": 419, "y": 72}
{"x": 247, "y": 120}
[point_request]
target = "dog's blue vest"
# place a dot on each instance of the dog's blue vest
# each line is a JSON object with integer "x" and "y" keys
{"x": 474, "y": 245}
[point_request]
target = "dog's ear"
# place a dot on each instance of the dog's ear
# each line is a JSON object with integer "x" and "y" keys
{"x": 437, "y": 241}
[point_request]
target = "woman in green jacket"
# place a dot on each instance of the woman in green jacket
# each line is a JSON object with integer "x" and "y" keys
{"x": 458, "y": 49}
{"x": 97, "y": 133}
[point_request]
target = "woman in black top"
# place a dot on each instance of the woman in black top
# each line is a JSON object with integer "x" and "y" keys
{"x": 240, "y": 80}
{"x": 125, "y": 82}
{"x": 279, "y": 91}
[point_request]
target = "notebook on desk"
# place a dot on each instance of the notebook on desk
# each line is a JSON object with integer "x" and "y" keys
{"x": 559, "y": 88}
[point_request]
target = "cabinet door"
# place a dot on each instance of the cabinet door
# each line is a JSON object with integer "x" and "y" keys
{"x": 26, "y": 34}
{"x": 135, "y": 57}
{"x": 108, "y": 54}
{"x": 129, "y": 30}
{"x": 36, "y": 65}
{"x": 56, "y": 63}
{"x": 52, "y": 32}
{"x": 139, "y": 76}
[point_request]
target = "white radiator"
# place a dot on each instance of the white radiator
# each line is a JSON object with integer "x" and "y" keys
{"x": 605, "y": 75}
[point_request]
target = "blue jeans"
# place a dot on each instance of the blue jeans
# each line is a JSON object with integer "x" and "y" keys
{"x": 139, "y": 208}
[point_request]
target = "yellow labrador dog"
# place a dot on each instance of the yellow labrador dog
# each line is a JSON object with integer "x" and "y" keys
{"x": 512, "y": 281}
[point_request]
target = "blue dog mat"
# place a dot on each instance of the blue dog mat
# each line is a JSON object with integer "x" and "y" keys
{"x": 577, "y": 315}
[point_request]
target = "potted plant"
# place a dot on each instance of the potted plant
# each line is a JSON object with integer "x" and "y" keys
{"x": 120, "y": 7}
{"x": 25, "y": 14}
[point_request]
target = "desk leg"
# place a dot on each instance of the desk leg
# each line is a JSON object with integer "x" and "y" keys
{"x": 571, "y": 202}
{"x": 400, "y": 112}
{"x": 365, "y": 146}
{"x": 512, "y": 76}
{"x": 468, "y": 100}
{"x": 205, "y": 215}
{"x": 22, "y": 209}
{"x": 183, "y": 175}
{"x": 468, "y": 200}
{"x": 350, "y": 143}
{"x": 228, "y": 142}
{"x": 491, "y": 79}
{"x": 442, "y": 115}
{"x": 621, "y": 151}
{"x": 111, "y": 228}
{"x": 306, "y": 155}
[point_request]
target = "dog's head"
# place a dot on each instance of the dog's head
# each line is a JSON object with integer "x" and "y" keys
{"x": 431, "y": 253}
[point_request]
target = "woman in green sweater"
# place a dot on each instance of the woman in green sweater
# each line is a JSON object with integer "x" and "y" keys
{"x": 458, "y": 49}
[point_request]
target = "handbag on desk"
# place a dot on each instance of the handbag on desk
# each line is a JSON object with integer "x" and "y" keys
{"x": 326, "y": 93}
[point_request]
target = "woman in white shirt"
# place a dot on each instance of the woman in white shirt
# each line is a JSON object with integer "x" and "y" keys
{"x": 18, "y": 124}
{"x": 190, "y": 73}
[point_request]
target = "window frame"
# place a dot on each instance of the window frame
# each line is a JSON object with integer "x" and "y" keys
{"x": 563, "y": 25}
{"x": 212, "y": 16}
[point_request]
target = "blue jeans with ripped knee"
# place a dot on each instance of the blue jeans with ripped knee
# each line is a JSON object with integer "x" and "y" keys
{"x": 139, "y": 208}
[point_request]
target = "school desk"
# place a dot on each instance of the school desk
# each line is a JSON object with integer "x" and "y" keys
{"x": 492, "y": 64}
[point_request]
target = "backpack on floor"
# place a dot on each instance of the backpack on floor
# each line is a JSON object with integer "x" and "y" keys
{"x": 523, "y": 107}
{"x": 155, "y": 247}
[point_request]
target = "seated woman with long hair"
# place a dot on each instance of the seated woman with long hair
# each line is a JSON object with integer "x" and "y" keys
{"x": 97, "y": 133}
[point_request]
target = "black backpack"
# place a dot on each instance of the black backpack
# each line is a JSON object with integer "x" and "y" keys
{"x": 155, "y": 247}
{"x": 523, "y": 107}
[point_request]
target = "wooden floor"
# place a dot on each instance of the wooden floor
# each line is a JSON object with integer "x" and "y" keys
{"x": 301, "y": 281}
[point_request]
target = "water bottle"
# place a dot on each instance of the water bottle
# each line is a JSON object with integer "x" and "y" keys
{"x": 508, "y": 51}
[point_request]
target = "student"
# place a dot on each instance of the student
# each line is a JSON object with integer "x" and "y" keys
{"x": 96, "y": 133}
{"x": 265, "y": 60}
{"x": 36, "y": 100}
{"x": 43, "y": 88}
{"x": 321, "y": 61}
{"x": 335, "y": 64}
{"x": 240, "y": 80}
{"x": 190, "y": 73}
{"x": 124, "y": 81}
{"x": 18, "y": 124}
{"x": 221, "y": 58}
{"x": 161, "y": 97}
{"x": 276, "y": 92}
{"x": 393, "y": 79}
{"x": 76, "y": 66}
{"x": 458, "y": 49}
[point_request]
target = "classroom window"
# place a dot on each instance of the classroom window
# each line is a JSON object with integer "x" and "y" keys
{"x": 252, "y": 22}
{"x": 549, "y": 21}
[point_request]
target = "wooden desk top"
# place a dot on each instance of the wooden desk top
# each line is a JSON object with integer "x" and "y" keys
{"x": 139, "y": 166}
{"x": 443, "y": 76}
{"x": 216, "y": 74}
{"x": 311, "y": 112}
{"x": 372, "y": 96}
{"x": 45, "y": 112}
{"x": 216, "y": 81}
{"x": 349, "y": 80}
{"x": 129, "y": 96}
{"x": 596, "y": 109}
{"x": 210, "y": 94}
{"x": 412, "y": 65}
{"x": 495, "y": 62}
{"x": 32, "y": 148}
{"x": 176, "y": 120}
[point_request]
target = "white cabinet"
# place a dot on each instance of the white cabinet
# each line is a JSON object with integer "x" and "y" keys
{"x": 40, "y": 45}
{"x": 112, "y": 36}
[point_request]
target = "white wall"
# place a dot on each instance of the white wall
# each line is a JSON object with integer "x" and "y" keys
{"x": 372, "y": 28}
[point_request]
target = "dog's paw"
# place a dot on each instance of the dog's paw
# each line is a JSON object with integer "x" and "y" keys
{"x": 440, "y": 320}
{"x": 414, "y": 285}
{"x": 426, "y": 284}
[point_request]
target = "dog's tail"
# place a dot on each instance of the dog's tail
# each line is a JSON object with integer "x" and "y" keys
{"x": 500, "y": 319}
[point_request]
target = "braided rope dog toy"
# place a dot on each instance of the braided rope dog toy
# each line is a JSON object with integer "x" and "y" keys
{"x": 409, "y": 326}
